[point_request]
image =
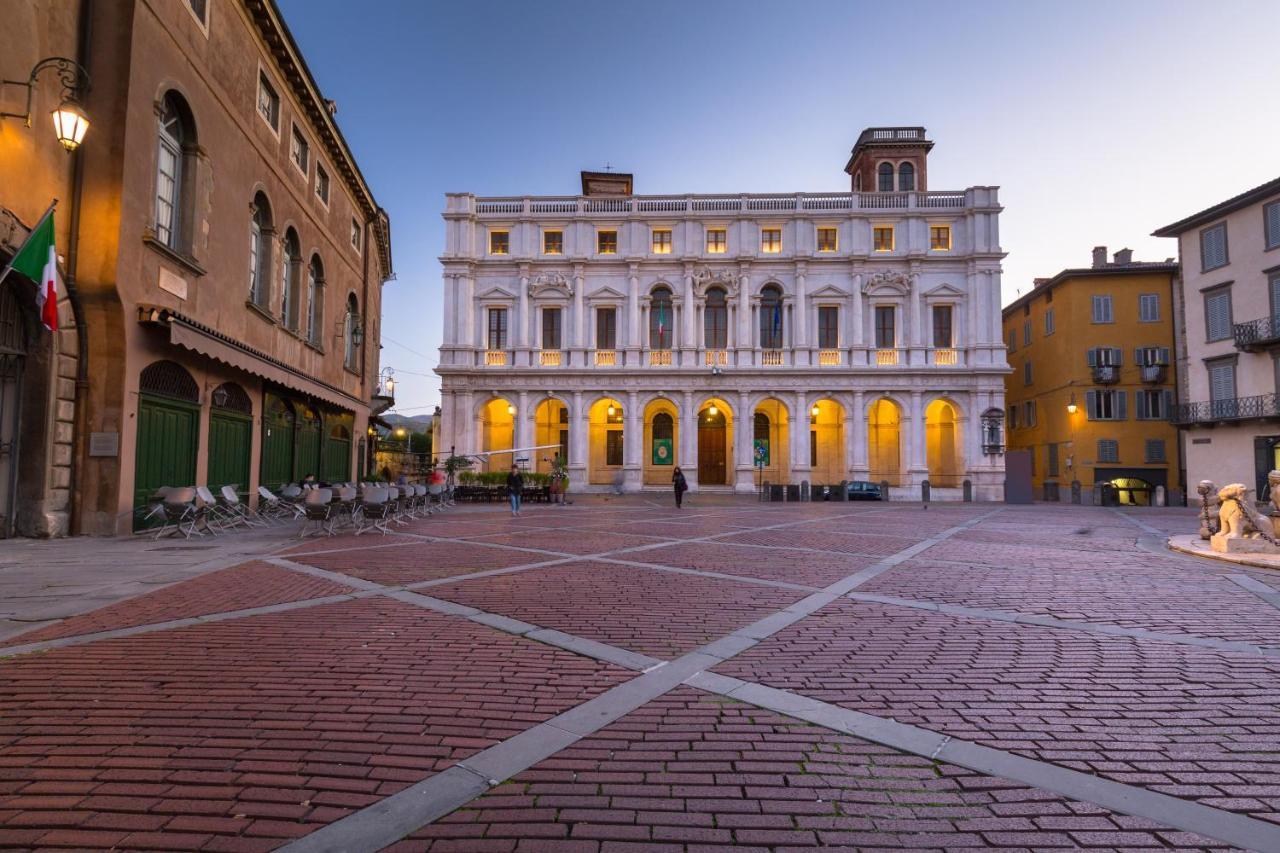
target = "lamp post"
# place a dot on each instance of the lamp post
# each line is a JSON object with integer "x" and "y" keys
{"x": 70, "y": 122}
{"x": 387, "y": 382}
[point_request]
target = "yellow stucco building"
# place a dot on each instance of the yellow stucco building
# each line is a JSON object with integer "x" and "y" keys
{"x": 1092, "y": 386}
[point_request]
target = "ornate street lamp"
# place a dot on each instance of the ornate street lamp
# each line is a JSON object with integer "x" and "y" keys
{"x": 70, "y": 123}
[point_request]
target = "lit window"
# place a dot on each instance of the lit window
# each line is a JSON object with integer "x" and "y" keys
{"x": 322, "y": 184}
{"x": 553, "y": 242}
{"x": 940, "y": 238}
{"x": 299, "y": 150}
{"x": 1213, "y": 247}
{"x": 882, "y": 239}
{"x": 268, "y": 102}
{"x": 717, "y": 241}
{"x": 771, "y": 240}
{"x": 826, "y": 239}
{"x": 499, "y": 243}
{"x": 355, "y": 234}
{"x": 661, "y": 241}
{"x": 607, "y": 242}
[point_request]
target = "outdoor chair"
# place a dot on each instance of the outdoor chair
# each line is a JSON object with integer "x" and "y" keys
{"x": 374, "y": 510}
{"x": 344, "y": 505}
{"x": 155, "y": 506}
{"x": 421, "y": 501}
{"x": 181, "y": 514}
{"x": 272, "y": 507}
{"x": 435, "y": 495}
{"x": 215, "y": 517}
{"x": 229, "y": 500}
{"x": 318, "y": 510}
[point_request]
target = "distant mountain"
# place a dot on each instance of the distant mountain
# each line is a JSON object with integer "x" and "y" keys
{"x": 414, "y": 423}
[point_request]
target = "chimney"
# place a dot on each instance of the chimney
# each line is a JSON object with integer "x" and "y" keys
{"x": 1040, "y": 282}
{"x": 1124, "y": 256}
{"x": 1099, "y": 257}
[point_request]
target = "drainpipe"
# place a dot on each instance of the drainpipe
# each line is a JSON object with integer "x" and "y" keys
{"x": 73, "y": 296}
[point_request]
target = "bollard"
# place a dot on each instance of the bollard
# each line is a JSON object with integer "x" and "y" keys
{"x": 924, "y": 490}
{"x": 968, "y": 491}
{"x": 805, "y": 493}
{"x": 1160, "y": 498}
{"x": 1075, "y": 491}
{"x": 884, "y": 490}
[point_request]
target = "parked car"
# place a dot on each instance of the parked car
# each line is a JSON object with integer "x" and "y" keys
{"x": 861, "y": 490}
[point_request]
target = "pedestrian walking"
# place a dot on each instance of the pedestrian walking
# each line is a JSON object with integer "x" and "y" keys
{"x": 515, "y": 489}
{"x": 681, "y": 486}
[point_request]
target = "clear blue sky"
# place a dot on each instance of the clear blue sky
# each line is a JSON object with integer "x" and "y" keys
{"x": 1100, "y": 121}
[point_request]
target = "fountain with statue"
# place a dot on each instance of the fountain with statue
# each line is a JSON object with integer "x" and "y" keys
{"x": 1231, "y": 522}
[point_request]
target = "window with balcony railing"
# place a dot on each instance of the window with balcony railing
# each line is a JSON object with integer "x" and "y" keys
{"x": 717, "y": 357}
{"x": 771, "y": 358}
{"x": 660, "y": 358}
{"x": 606, "y": 358}
{"x": 495, "y": 358}
{"x": 549, "y": 358}
{"x": 945, "y": 357}
{"x": 829, "y": 358}
{"x": 886, "y": 357}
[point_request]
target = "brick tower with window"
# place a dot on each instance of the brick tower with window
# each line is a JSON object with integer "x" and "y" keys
{"x": 890, "y": 159}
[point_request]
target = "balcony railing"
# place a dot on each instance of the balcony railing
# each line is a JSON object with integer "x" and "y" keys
{"x": 1257, "y": 333}
{"x": 945, "y": 356}
{"x": 495, "y": 358}
{"x": 886, "y": 357}
{"x": 771, "y": 358}
{"x": 1106, "y": 374}
{"x": 506, "y": 207}
{"x": 1231, "y": 409}
{"x": 717, "y": 357}
{"x": 549, "y": 358}
{"x": 660, "y": 358}
{"x": 606, "y": 358}
{"x": 1154, "y": 373}
{"x": 829, "y": 358}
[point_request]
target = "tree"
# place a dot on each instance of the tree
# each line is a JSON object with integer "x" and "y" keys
{"x": 420, "y": 442}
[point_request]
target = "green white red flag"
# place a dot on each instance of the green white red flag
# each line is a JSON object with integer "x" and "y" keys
{"x": 38, "y": 261}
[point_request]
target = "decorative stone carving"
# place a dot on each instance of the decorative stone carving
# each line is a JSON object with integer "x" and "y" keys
{"x": 557, "y": 283}
{"x": 704, "y": 277}
{"x": 1241, "y": 528}
{"x": 1208, "y": 508}
{"x": 888, "y": 280}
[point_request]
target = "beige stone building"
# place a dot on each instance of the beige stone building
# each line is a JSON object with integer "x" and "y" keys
{"x": 222, "y": 261}
{"x": 1229, "y": 338}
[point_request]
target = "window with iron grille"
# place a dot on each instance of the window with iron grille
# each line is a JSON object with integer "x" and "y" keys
{"x": 1213, "y": 247}
{"x": 1148, "y": 307}
{"x": 1217, "y": 314}
{"x": 1108, "y": 450}
{"x": 1155, "y": 451}
{"x": 828, "y": 327}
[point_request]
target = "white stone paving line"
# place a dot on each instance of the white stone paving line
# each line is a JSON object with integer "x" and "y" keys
{"x": 1267, "y": 593}
{"x": 397, "y": 816}
{"x": 1099, "y": 628}
{"x": 1240, "y": 830}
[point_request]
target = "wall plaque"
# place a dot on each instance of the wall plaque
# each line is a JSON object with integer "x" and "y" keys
{"x": 173, "y": 283}
{"x": 104, "y": 444}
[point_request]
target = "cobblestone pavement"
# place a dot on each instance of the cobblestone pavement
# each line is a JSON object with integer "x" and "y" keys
{"x": 622, "y": 676}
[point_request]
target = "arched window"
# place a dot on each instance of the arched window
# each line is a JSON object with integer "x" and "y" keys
{"x": 760, "y": 439}
{"x": 906, "y": 177}
{"x": 857, "y": 182}
{"x": 231, "y": 397}
{"x": 168, "y": 379}
{"x": 661, "y": 321}
{"x": 315, "y": 299}
{"x": 260, "y": 234}
{"x": 885, "y": 173}
{"x": 290, "y": 275}
{"x": 174, "y": 163}
{"x": 663, "y": 427}
{"x": 715, "y": 320}
{"x": 350, "y": 328}
{"x": 771, "y": 317}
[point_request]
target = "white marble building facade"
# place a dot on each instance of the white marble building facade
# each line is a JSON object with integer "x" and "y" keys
{"x": 819, "y": 337}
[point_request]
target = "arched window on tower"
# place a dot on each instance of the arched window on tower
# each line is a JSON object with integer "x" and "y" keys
{"x": 260, "y": 235}
{"x": 175, "y": 165}
{"x": 857, "y": 182}
{"x": 885, "y": 173}
{"x": 290, "y": 280}
{"x": 315, "y": 299}
{"x": 906, "y": 177}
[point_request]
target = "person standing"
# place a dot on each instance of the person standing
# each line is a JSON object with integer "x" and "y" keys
{"x": 515, "y": 489}
{"x": 680, "y": 484}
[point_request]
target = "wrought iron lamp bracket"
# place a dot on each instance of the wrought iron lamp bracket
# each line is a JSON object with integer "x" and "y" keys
{"x": 71, "y": 75}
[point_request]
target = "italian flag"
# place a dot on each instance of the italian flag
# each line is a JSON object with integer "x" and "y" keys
{"x": 38, "y": 261}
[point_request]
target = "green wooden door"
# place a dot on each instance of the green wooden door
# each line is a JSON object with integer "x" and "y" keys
{"x": 168, "y": 439}
{"x": 309, "y": 435}
{"x": 337, "y": 455}
{"x": 277, "y": 444}
{"x": 230, "y": 437}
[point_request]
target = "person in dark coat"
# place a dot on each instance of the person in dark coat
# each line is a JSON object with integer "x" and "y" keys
{"x": 681, "y": 486}
{"x": 515, "y": 489}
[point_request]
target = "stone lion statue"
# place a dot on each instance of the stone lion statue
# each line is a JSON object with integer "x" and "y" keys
{"x": 1237, "y": 518}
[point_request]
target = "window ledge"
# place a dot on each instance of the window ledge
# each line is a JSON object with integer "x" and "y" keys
{"x": 260, "y": 311}
{"x": 315, "y": 346}
{"x": 183, "y": 260}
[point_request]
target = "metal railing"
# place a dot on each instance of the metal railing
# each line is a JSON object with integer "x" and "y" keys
{"x": 829, "y": 358}
{"x": 717, "y": 357}
{"x": 1230, "y": 409}
{"x": 495, "y": 358}
{"x": 1256, "y": 333}
{"x": 606, "y": 358}
{"x": 945, "y": 356}
{"x": 745, "y": 203}
{"x": 1154, "y": 373}
{"x": 550, "y": 358}
{"x": 771, "y": 358}
{"x": 886, "y": 357}
{"x": 1106, "y": 374}
{"x": 660, "y": 358}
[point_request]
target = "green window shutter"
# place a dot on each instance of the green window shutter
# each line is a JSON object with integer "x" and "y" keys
{"x": 1091, "y": 405}
{"x": 1093, "y": 358}
{"x": 1140, "y": 403}
{"x": 1121, "y": 397}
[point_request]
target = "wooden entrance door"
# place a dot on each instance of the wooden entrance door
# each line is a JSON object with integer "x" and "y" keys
{"x": 712, "y": 436}
{"x": 168, "y": 432}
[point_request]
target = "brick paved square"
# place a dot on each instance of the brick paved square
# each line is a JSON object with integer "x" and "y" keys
{"x": 766, "y": 563}
{"x": 261, "y": 728}
{"x": 573, "y": 541}
{"x": 656, "y": 613}
{"x": 254, "y": 584}
{"x": 1185, "y": 721}
{"x": 693, "y": 769}
{"x": 846, "y": 542}
{"x": 420, "y": 561}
